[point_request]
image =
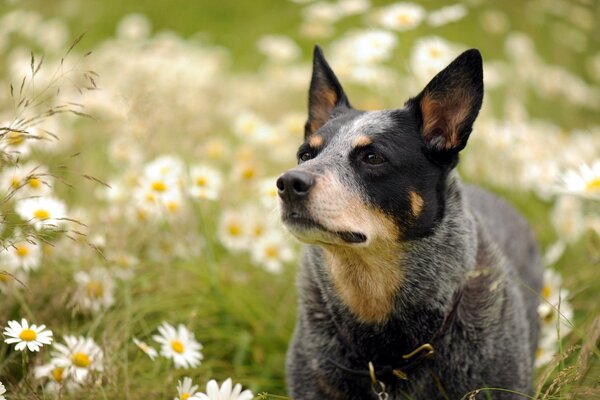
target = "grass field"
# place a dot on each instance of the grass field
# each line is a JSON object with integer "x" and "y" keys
{"x": 160, "y": 150}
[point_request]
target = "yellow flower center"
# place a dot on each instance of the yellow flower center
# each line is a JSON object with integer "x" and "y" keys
{"x": 159, "y": 186}
{"x": 4, "y": 277}
{"x": 259, "y": 230}
{"x": 549, "y": 317}
{"x": 184, "y": 396}
{"x": 271, "y": 251}
{"x": 234, "y": 229}
{"x": 28, "y": 335}
{"x": 248, "y": 173}
{"x": 22, "y": 250}
{"x": 201, "y": 181}
{"x": 15, "y": 138}
{"x": 172, "y": 206}
{"x": 539, "y": 352}
{"x": 80, "y": 360}
{"x": 15, "y": 183}
{"x": 593, "y": 185}
{"x": 434, "y": 53}
{"x": 57, "y": 374}
{"x": 404, "y": 19}
{"x": 177, "y": 346}
{"x": 94, "y": 289}
{"x": 546, "y": 292}
{"x": 34, "y": 183}
{"x": 41, "y": 214}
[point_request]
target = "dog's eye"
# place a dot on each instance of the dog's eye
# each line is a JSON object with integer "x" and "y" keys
{"x": 373, "y": 159}
{"x": 305, "y": 156}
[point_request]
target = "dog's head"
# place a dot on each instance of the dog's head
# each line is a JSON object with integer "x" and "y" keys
{"x": 373, "y": 176}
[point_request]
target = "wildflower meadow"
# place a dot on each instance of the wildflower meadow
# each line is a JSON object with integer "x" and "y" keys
{"x": 141, "y": 251}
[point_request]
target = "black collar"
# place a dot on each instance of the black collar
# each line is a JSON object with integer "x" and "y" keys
{"x": 409, "y": 361}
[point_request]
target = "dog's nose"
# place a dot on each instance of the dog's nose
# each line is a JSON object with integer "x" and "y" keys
{"x": 294, "y": 185}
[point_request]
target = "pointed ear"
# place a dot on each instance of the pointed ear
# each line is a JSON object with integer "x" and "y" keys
{"x": 450, "y": 103}
{"x": 325, "y": 94}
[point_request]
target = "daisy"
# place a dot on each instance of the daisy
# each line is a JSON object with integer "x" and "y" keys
{"x": 26, "y": 180}
{"x": 42, "y": 212}
{"x": 55, "y": 377}
{"x": 95, "y": 290}
{"x": 225, "y": 392}
{"x": 15, "y": 142}
{"x": 364, "y": 47}
{"x": 124, "y": 265}
{"x": 204, "y": 183}
{"x": 180, "y": 345}
{"x": 32, "y": 337}
{"x": 22, "y": 254}
{"x": 2, "y": 391}
{"x": 268, "y": 193}
{"x": 584, "y": 182}
{"x": 446, "y": 15}
{"x": 401, "y": 16}
{"x": 271, "y": 251}
{"x": 430, "y": 55}
{"x": 185, "y": 389}
{"x": 233, "y": 230}
{"x": 149, "y": 351}
{"x": 78, "y": 357}
{"x": 278, "y": 48}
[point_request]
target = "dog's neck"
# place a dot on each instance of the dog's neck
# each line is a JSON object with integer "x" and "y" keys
{"x": 388, "y": 279}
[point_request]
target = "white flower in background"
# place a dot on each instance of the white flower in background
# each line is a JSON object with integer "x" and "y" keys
{"x": 95, "y": 290}
{"x": 148, "y": 350}
{"x": 26, "y": 180}
{"x": 446, "y": 15}
{"x": 2, "y": 391}
{"x": 42, "y": 212}
{"x": 22, "y": 254}
{"x": 322, "y": 12}
{"x": 226, "y": 392}
{"x": 268, "y": 193}
{"x": 547, "y": 348}
{"x": 279, "y": 48}
{"x": 180, "y": 345}
{"x": 554, "y": 252}
{"x": 166, "y": 166}
{"x": 55, "y": 376}
{"x": 400, "y": 16}
{"x": 52, "y": 34}
{"x": 134, "y": 27}
{"x": 124, "y": 264}
{"x": 234, "y": 232}
{"x": 249, "y": 126}
{"x": 16, "y": 143}
{"x": 352, "y": 7}
{"x": 25, "y": 336}
{"x": 554, "y": 308}
{"x": 364, "y": 47}
{"x": 79, "y": 357}
{"x": 204, "y": 182}
{"x": 185, "y": 389}
{"x": 429, "y": 56}
{"x": 583, "y": 182}
{"x": 271, "y": 251}
{"x": 567, "y": 218}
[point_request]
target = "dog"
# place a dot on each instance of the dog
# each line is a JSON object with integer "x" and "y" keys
{"x": 412, "y": 285}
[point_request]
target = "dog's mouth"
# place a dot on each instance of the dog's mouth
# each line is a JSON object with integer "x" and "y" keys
{"x": 308, "y": 230}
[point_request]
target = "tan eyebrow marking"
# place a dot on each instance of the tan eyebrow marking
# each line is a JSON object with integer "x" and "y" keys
{"x": 362, "y": 141}
{"x": 416, "y": 203}
{"x": 316, "y": 141}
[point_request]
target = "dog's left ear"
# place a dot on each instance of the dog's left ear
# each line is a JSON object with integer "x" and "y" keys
{"x": 450, "y": 103}
{"x": 325, "y": 94}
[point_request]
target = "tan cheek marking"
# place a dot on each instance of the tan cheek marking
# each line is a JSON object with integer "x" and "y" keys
{"x": 416, "y": 204}
{"x": 362, "y": 141}
{"x": 316, "y": 141}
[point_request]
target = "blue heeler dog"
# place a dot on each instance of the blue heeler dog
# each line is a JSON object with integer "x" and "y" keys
{"x": 413, "y": 285}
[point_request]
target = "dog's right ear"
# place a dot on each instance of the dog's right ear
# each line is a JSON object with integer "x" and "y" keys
{"x": 325, "y": 94}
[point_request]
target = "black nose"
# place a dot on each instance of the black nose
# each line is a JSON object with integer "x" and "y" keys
{"x": 294, "y": 185}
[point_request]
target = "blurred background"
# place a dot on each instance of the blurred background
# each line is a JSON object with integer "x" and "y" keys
{"x": 154, "y": 140}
